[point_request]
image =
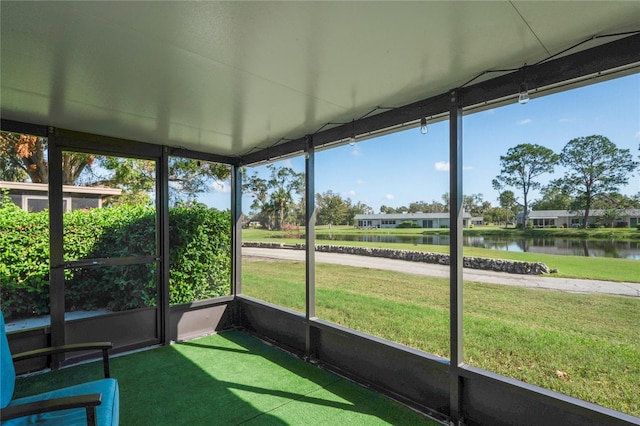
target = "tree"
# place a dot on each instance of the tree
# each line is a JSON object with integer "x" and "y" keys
{"x": 418, "y": 206}
{"x": 498, "y": 214}
{"x": 436, "y": 207}
{"x": 507, "y": 202}
{"x": 554, "y": 197}
{"x": 386, "y": 210}
{"x": 611, "y": 214}
{"x": 189, "y": 177}
{"x": 521, "y": 166}
{"x": 446, "y": 199}
{"x": 616, "y": 200}
{"x": 331, "y": 209}
{"x": 358, "y": 208}
{"x": 24, "y": 157}
{"x": 390, "y": 210}
{"x": 274, "y": 198}
{"x": 137, "y": 178}
{"x": 474, "y": 205}
{"x": 596, "y": 166}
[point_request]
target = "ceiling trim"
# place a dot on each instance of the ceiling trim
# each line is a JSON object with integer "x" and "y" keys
{"x": 23, "y": 128}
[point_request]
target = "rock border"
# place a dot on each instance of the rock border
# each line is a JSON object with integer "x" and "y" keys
{"x": 498, "y": 265}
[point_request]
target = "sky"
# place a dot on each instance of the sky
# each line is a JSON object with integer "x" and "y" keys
{"x": 407, "y": 166}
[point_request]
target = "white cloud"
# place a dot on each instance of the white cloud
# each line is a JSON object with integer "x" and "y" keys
{"x": 390, "y": 197}
{"x": 525, "y": 121}
{"x": 352, "y": 192}
{"x": 221, "y": 187}
{"x": 360, "y": 182}
{"x": 638, "y": 134}
{"x": 442, "y": 166}
{"x": 356, "y": 151}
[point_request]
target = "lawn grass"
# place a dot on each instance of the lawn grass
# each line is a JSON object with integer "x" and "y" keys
{"x": 593, "y": 268}
{"x": 587, "y": 346}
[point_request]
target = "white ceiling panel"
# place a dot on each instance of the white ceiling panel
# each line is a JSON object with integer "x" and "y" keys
{"x": 230, "y": 77}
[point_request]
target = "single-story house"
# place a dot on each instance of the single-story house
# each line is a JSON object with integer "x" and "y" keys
{"x": 574, "y": 219}
{"x": 423, "y": 220}
{"x": 33, "y": 197}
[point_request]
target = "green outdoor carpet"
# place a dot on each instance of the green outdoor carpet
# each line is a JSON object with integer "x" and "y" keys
{"x": 230, "y": 379}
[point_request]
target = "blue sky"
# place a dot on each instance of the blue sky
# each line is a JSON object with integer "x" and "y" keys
{"x": 403, "y": 167}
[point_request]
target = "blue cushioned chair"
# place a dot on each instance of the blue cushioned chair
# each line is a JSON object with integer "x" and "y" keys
{"x": 88, "y": 403}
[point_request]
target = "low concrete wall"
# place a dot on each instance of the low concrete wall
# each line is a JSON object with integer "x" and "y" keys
{"x": 500, "y": 265}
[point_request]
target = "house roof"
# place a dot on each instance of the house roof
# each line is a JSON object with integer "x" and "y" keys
{"x": 43, "y": 187}
{"x": 235, "y": 78}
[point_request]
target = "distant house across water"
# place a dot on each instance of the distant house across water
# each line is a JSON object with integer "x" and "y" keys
{"x": 422, "y": 220}
{"x": 34, "y": 197}
{"x": 574, "y": 219}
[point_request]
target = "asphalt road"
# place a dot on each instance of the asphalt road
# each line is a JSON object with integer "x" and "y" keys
{"x": 432, "y": 270}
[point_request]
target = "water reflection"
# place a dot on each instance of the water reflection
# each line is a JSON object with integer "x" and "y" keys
{"x": 557, "y": 246}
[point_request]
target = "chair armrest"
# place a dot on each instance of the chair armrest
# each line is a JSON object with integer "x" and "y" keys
{"x": 88, "y": 402}
{"x": 103, "y": 346}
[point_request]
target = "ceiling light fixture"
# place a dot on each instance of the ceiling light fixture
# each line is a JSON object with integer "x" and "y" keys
{"x": 523, "y": 97}
{"x": 423, "y": 126}
{"x": 352, "y": 139}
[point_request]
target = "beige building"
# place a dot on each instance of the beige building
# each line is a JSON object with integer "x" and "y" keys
{"x": 34, "y": 197}
{"x": 574, "y": 219}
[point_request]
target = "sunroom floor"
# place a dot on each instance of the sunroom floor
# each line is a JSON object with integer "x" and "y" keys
{"x": 230, "y": 378}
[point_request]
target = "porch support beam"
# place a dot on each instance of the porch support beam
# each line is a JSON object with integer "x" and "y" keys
{"x": 456, "y": 213}
{"x": 310, "y": 241}
{"x": 56, "y": 250}
{"x": 162, "y": 206}
{"x": 236, "y": 230}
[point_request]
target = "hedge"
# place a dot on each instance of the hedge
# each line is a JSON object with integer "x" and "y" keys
{"x": 200, "y": 257}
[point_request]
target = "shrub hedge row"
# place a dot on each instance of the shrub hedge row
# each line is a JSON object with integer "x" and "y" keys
{"x": 200, "y": 257}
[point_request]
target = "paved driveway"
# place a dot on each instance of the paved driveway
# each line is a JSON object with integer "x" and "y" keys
{"x": 432, "y": 270}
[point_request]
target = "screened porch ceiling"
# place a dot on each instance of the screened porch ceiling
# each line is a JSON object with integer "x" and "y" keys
{"x": 232, "y": 78}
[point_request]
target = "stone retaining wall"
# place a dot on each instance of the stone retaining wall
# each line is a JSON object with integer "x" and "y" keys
{"x": 500, "y": 265}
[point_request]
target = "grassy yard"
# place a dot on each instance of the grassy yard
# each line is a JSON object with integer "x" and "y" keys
{"x": 587, "y": 346}
{"x": 596, "y": 268}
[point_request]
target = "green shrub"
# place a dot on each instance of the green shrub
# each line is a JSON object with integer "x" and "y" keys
{"x": 110, "y": 233}
{"x": 24, "y": 260}
{"x": 200, "y": 257}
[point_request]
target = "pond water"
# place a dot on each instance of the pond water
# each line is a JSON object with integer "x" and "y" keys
{"x": 557, "y": 246}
